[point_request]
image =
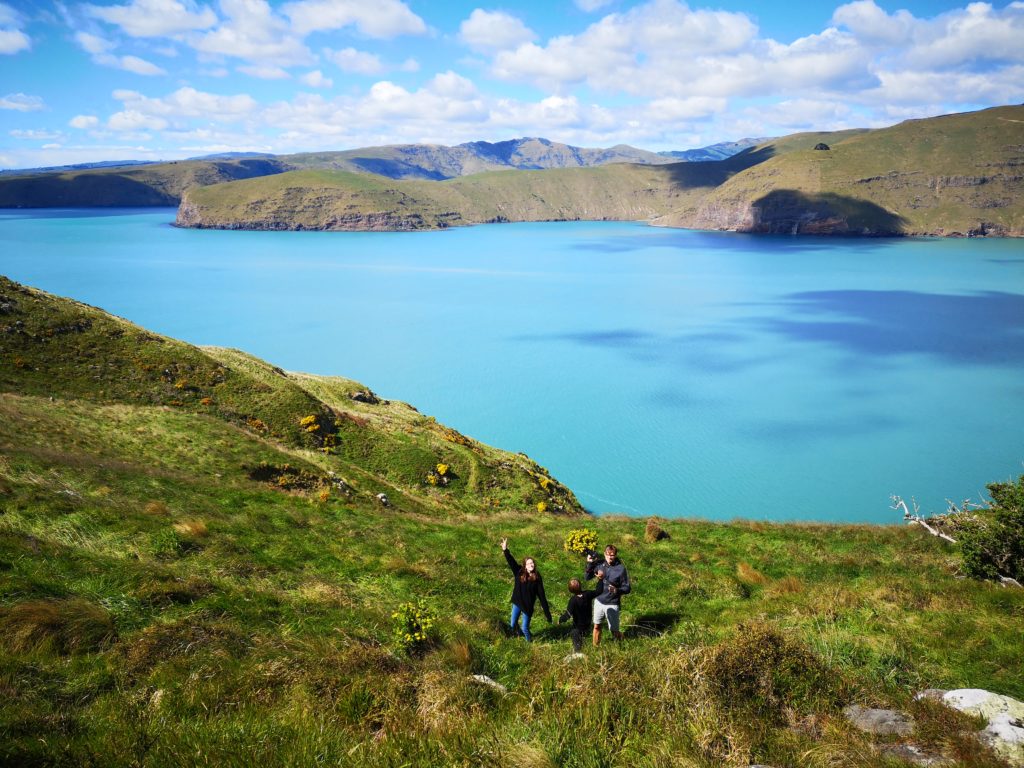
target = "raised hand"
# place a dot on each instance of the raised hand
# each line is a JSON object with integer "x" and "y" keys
{"x": 504, "y": 544}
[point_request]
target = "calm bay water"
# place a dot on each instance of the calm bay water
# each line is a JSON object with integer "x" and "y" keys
{"x": 653, "y": 371}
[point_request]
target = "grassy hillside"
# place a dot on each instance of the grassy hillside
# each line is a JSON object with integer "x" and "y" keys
{"x": 956, "y": 174}
{"x": 146, "y": 185}
{"x": 951, "y": 175}
{"x": 183, "y": 581}
{"x": 339, "y": 200}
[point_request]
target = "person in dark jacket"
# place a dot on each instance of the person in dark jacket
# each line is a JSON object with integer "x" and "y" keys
{"x": 580, "y": 610}
{"x": 614, "y": 584}
{"x": 528, "y": 588}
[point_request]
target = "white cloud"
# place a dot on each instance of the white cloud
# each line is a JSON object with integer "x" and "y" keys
{"x": 12, "y": 39}
{"x": 84, "y": 122}
{"x": 20, "y": 102}
{"x": 36, "y": 135}
{"x": 489, "y": 31}
{"x": 155, "y": 18}
{"x": 187, "y": 103}
{"x": 264, "y": 72}
{"x": 139, "y": 66}
{"x": 316, "y": 79}
{"x": 356, "y": 62}
{"x": 132, "y": 121}
{"x": 379, "y": 19}
{"x": 658, "y": 46}
{"x": 100, "y": 49}
{"x": 93, "y": 44}
{"x": 255, "y": 33}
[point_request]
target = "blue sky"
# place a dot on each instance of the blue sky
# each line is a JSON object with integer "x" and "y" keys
{"x": 166, "y": 79}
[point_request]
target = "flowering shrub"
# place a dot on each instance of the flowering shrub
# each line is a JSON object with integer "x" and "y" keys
{"x": 545, "y": 483}
{"x": 309, "y": 423}
{"x": 542, "y": 506}
{"x": 413, "y": 624}
{"x": 452, "y": 436}
{"x": 256, "y": 424}
{"x": 442, "y": 469}
{"x": 580, "y": 539}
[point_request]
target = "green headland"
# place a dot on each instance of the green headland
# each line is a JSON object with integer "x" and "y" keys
{"x": 197, "y": 568}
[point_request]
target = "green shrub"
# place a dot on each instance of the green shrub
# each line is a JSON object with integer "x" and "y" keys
{"x": 580, "y": 539}
{"x": 413, "y": 625}
{"x": 992, "y": 539}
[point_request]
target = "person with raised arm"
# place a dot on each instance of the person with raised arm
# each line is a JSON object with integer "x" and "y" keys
{"x": 528, "y": 587}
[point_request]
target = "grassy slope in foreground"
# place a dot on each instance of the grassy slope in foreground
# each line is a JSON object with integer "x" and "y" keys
{"x": 159, "y": 606}
{"x": 952, "y": 175}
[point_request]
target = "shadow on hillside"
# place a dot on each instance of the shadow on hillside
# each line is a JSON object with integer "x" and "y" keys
{"x": 711, "y": 173}
{"x": 791, "y": 212}
{"x": 396, "y": 169}
{"x": 652, "y": 624}
{"x": 85, "y": 190}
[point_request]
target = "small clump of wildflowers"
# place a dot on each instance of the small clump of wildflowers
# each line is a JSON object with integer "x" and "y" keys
{"x": 413, "y": 624}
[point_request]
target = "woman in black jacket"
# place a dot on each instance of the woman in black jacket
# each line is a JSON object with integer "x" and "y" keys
{"x": 529, "y": 586}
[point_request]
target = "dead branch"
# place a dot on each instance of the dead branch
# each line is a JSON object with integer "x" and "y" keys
{"x": 914, "y": 518}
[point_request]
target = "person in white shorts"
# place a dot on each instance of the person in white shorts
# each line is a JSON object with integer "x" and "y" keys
{"x": 614, "y": 583}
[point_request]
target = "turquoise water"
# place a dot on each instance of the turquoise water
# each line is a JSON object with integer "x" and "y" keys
{"x": 654, "y": 371}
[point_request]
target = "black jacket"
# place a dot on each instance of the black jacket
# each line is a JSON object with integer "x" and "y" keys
{"x": 526, "y": 593}
{"x": 614, "y": 576}
{"x": 581, "y": 609}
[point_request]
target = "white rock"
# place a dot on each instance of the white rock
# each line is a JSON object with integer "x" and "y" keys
{"x": 493, "y": 684}
{"x": 1005, "y": 715}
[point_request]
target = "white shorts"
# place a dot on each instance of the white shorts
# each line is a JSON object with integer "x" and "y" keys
{"x": 609, "y": 613}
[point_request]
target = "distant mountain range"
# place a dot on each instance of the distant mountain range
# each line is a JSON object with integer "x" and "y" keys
{"x": 951, "y": 175}
{"x": 435, "y": 161}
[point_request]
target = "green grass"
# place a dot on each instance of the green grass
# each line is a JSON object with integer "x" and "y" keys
{"x": 159, "y": 606}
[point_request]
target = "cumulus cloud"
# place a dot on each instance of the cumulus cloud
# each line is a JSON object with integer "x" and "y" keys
{"x": 12, "y": 39}
{"x": 264, "y": 72}
{"x": 489, "y": 31}
{"x": 379, "y": 19}
{"x": 84, "y": 122}
{"x": 316, "y": 79}
{"x": 659, "y": 45}
{"x": 100, "y": 49}
{"x": 254, "y": 32}
{"x": 356, "y": 62}
{"x": 155, "y": 18}
{"x": 20, "y": 102}
{"x": 133, "y": 121}
{"x": 977, "y": 33}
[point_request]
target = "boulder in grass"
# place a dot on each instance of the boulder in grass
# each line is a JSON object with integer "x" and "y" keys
{"x": 822, "y": 146}
{"x": 880, "y": 722}
{"x": 1005, "y": 730}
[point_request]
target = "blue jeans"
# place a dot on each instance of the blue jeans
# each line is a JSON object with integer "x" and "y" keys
{"x": 521, "y": 617}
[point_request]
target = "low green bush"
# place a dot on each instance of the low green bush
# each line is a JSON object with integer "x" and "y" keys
{"x": 992, "y": 539}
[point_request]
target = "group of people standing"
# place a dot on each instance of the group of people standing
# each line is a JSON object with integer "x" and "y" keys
{"x": 589, "y": 609}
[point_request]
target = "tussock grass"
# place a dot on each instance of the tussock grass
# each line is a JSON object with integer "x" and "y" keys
{"x": 70, "y": 625}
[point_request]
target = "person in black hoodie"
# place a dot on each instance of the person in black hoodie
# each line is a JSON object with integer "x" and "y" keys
{"x": 529, "y": 586}
{"x": 580, "y": 610}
